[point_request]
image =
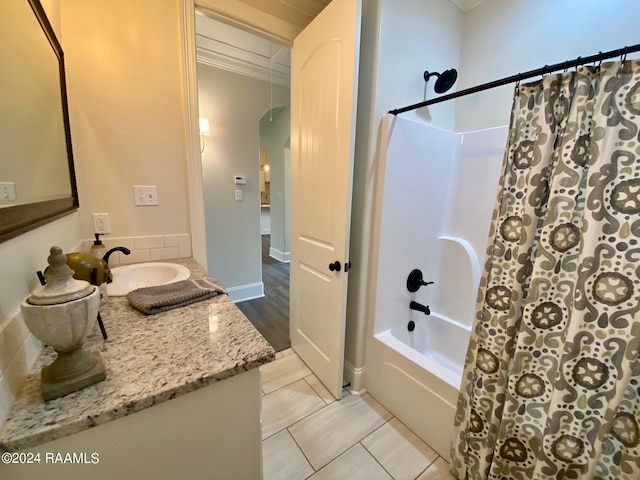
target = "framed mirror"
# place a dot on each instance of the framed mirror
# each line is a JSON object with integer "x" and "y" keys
{"x": 37, "y": 177}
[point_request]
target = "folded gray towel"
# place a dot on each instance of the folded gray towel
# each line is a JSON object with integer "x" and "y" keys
{"x": 161, "y": 298}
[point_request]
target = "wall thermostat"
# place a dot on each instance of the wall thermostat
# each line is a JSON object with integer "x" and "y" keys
{"x": 240, "y": 180}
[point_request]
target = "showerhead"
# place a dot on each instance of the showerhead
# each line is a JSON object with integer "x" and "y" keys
{"x": 445, "y": 79}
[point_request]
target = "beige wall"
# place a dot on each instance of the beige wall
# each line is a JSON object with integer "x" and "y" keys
{"x": 125, "y": 97}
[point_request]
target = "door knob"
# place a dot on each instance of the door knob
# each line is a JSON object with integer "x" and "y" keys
{"x": 335, "y": 266}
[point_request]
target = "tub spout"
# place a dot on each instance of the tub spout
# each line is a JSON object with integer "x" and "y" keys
{"x": 420, "y": 308}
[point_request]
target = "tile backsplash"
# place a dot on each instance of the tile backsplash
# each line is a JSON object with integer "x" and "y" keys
{"x": 18, "y": 351}
{"x": 145, "y": 249}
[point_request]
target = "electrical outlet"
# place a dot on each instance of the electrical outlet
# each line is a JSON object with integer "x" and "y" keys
{"x": 101, "y": 223}
{"x": 239, "y": 195}
{"x": 145, "y": 195}
{"x": 7, "y": 191}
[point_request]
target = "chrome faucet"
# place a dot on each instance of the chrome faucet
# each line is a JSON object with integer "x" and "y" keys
{"x": 124, "y": 250}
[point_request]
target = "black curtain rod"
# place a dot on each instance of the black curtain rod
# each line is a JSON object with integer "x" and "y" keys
{"x": 522, "y": 76}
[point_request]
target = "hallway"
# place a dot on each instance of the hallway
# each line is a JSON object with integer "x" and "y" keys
{"x": 270, "y": 314}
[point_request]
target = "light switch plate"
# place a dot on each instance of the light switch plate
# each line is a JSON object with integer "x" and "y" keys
{"x": 145, "y": 195}
{"x": 239, "y": 195}
{"x": 7, "y": 191}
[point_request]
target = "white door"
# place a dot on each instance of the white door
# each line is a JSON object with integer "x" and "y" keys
{"x": 324, "y": 78}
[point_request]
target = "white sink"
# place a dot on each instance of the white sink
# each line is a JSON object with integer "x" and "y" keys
{"x": 130, "y": 277}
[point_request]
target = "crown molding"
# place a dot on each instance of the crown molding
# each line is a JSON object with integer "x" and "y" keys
{"x": 278, "y": 74}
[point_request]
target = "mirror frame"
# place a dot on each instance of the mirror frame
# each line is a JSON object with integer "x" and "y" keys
{"x": 19, "y": 219}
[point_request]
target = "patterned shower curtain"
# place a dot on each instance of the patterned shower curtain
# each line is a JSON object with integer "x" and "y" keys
{"x": 551, "y": 385}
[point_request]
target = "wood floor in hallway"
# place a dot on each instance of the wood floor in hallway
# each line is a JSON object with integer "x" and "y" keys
{"x": 270, "y": 314}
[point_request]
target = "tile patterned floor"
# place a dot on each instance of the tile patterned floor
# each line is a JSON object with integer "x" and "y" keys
{"x": 306, "y": 434}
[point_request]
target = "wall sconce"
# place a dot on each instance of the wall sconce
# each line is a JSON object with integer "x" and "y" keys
{"x": 205, "y": 131}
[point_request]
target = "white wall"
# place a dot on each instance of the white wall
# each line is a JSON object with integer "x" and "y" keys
{"x": 504, "y": 37}
{"x": 20, "y": 258}
{"x": 234, "y": 105}
{"x": 416, "y": 36}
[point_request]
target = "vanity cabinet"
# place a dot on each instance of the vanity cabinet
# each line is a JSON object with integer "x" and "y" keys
{"x": 181, "y": 399}
{"x": 213, "y": 432}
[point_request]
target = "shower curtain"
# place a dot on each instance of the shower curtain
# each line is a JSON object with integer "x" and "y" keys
{"x": 551, "y": 385}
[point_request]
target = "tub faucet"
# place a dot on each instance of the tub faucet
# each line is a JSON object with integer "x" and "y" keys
{"x": 415, "y": 281}
{"x": 124, "y": 250}
{"x": 420, "y": 308}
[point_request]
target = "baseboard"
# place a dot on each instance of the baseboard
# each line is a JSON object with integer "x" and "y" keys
{"x": 279, "y": 255}
{"x": 249, "y": 291}
{"x": 356, "y": 377}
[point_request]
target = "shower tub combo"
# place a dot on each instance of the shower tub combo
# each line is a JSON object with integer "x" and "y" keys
{"x": 435, "y": 203}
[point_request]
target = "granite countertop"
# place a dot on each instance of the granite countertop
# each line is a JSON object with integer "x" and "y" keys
{"x": 148, "y": 360}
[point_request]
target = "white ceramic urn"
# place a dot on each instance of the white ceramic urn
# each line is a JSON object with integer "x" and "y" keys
{"x": 61, "y": 313}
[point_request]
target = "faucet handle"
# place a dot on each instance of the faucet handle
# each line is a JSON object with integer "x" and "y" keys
{"x": 415, "y": 281}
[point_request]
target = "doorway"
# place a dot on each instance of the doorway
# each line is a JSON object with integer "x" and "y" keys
{"x": 240, "y": 78}
{"x": 326, "y": 58}
{"x": 270, "y": 314}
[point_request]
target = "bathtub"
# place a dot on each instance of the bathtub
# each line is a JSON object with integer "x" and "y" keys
{"x": 437, "y": 344}
{"x": 417, "y": 374}
{"x": 434, "y": 205}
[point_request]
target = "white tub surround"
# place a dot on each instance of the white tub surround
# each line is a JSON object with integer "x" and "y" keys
{"x": 435, "y": 203}
{"x": 208, "y": 427}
